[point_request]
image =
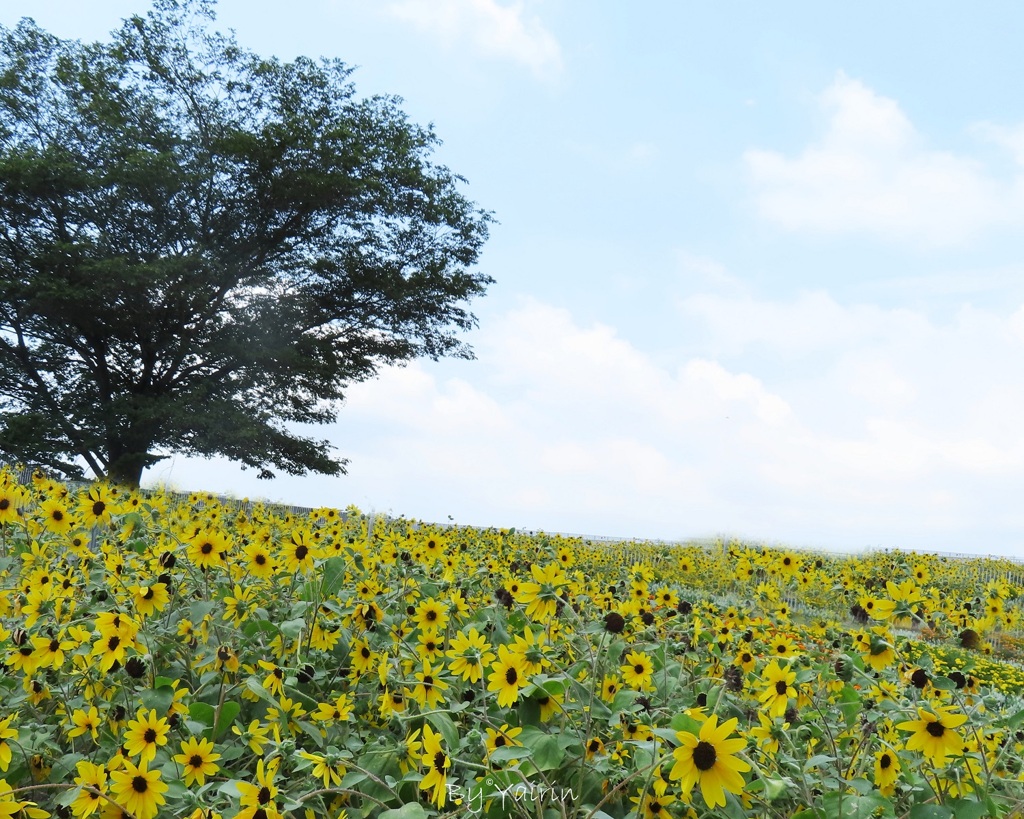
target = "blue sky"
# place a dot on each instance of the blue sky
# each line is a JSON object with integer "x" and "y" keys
{"x": 758, "y": 271}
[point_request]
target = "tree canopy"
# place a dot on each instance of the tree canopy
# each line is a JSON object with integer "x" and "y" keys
{"x": 201, "y": 247}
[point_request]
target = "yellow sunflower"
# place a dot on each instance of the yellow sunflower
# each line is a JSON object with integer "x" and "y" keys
{"x": 138, "y": 789}
{"x": 468, "y": 655}
{"x": 145, "y": 733}
{"x": 887, "y": 771}
{"x": 507, "y": 677}
{"x": 709, "y": 760}
{"x": 933, "y": 733}
{"x": 638, "y": 671}
{"x": 778, "y": 681}
{"x": 198, "y": 760}
{"x": 437, "y": 763}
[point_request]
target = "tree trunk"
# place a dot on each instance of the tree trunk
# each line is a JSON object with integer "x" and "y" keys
{"x": 126, "y": 468}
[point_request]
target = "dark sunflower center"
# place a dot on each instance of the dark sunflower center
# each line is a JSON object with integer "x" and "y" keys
{"x": 206, "y": 548}
{"x": 511, "y": 676}
{"x": 780, "y": 688}
{"x": 936, "y": 729}
{"x": 365, "y": 652}
{"x": 301, "y": 552}
{"x": 149, "y": 593}
{"x": 113, "y": 642}
{"x": 99, "y": 508}
{"x": 150, "y": 735}
{"x": 263, "y": 796}
{"x": 884, "y": 761}
{"x": 54, "y": 646}
{"x": 781, "y": 649}
{"x": 499, "y": 742}
{"x": 5, "y": 504}
{"x": 638, "y": 668}
{"x": 440, "y": 762}
{"x": 140, "y": 784}
{"x": 654, "y": 807}
{"x": 195, "y": 761}
{"x": 704, "y": 756}
{"x": 594, "y": 746}
{"x": 260, "y": 559}
{"x": 58, "y": 515}
{"x": 428, "y": 681}
{"x": 431, "y": 615}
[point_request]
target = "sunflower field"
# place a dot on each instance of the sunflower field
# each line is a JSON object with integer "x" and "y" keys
{"x": 190, "y": 657}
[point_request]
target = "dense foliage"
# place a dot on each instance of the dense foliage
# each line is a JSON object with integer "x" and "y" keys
{"x": 186, "y": 657}
{"x": 201, "y": 247}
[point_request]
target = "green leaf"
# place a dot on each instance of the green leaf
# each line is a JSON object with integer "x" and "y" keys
{"x": 202, "y": 713}
{"x": 553, "y": 686}
{"x": 850, "y": 704}
{"x": 968, "y": 809}
{"x": 333, "y": 572}
{"x": 159, "y": 699}
{"x": 443, "y": 723}
{"x": 614, "y": 651}
{"x": 198, "y": 611}
{"x": 253, "y": 627}
{"x": 930, "y": 812}
{"x": 353, "y": 778}
{"x": 257, "y": 688}
{"x": 684, "y": 722}
{"x": 64, "y": 768}
{"x": 624, "y": 700}
{"x": 862, "y": 786}
{"x": 776, "y": 788}
{"x": 412, "y": 810}
{"x": 817, "y": 761}
{"x": 229, "y": 709}
{"x": 547, "y": 753}
{"x": 510, "y": 752}
{"x": 293, "y": 628}
{"x": 667, "y": 734}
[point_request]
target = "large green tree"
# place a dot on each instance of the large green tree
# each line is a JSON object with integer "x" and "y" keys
{"x": 201, "y": 248}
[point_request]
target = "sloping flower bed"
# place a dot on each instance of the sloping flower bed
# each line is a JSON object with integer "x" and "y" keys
{"x": 183, "y": 658}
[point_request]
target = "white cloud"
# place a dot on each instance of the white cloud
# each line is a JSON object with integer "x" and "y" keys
{"x": 1009, "y": 138}
{"x": 872, "y": 172}
{"x": 488, "y": 28}
{"x": 897, "y": 431}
